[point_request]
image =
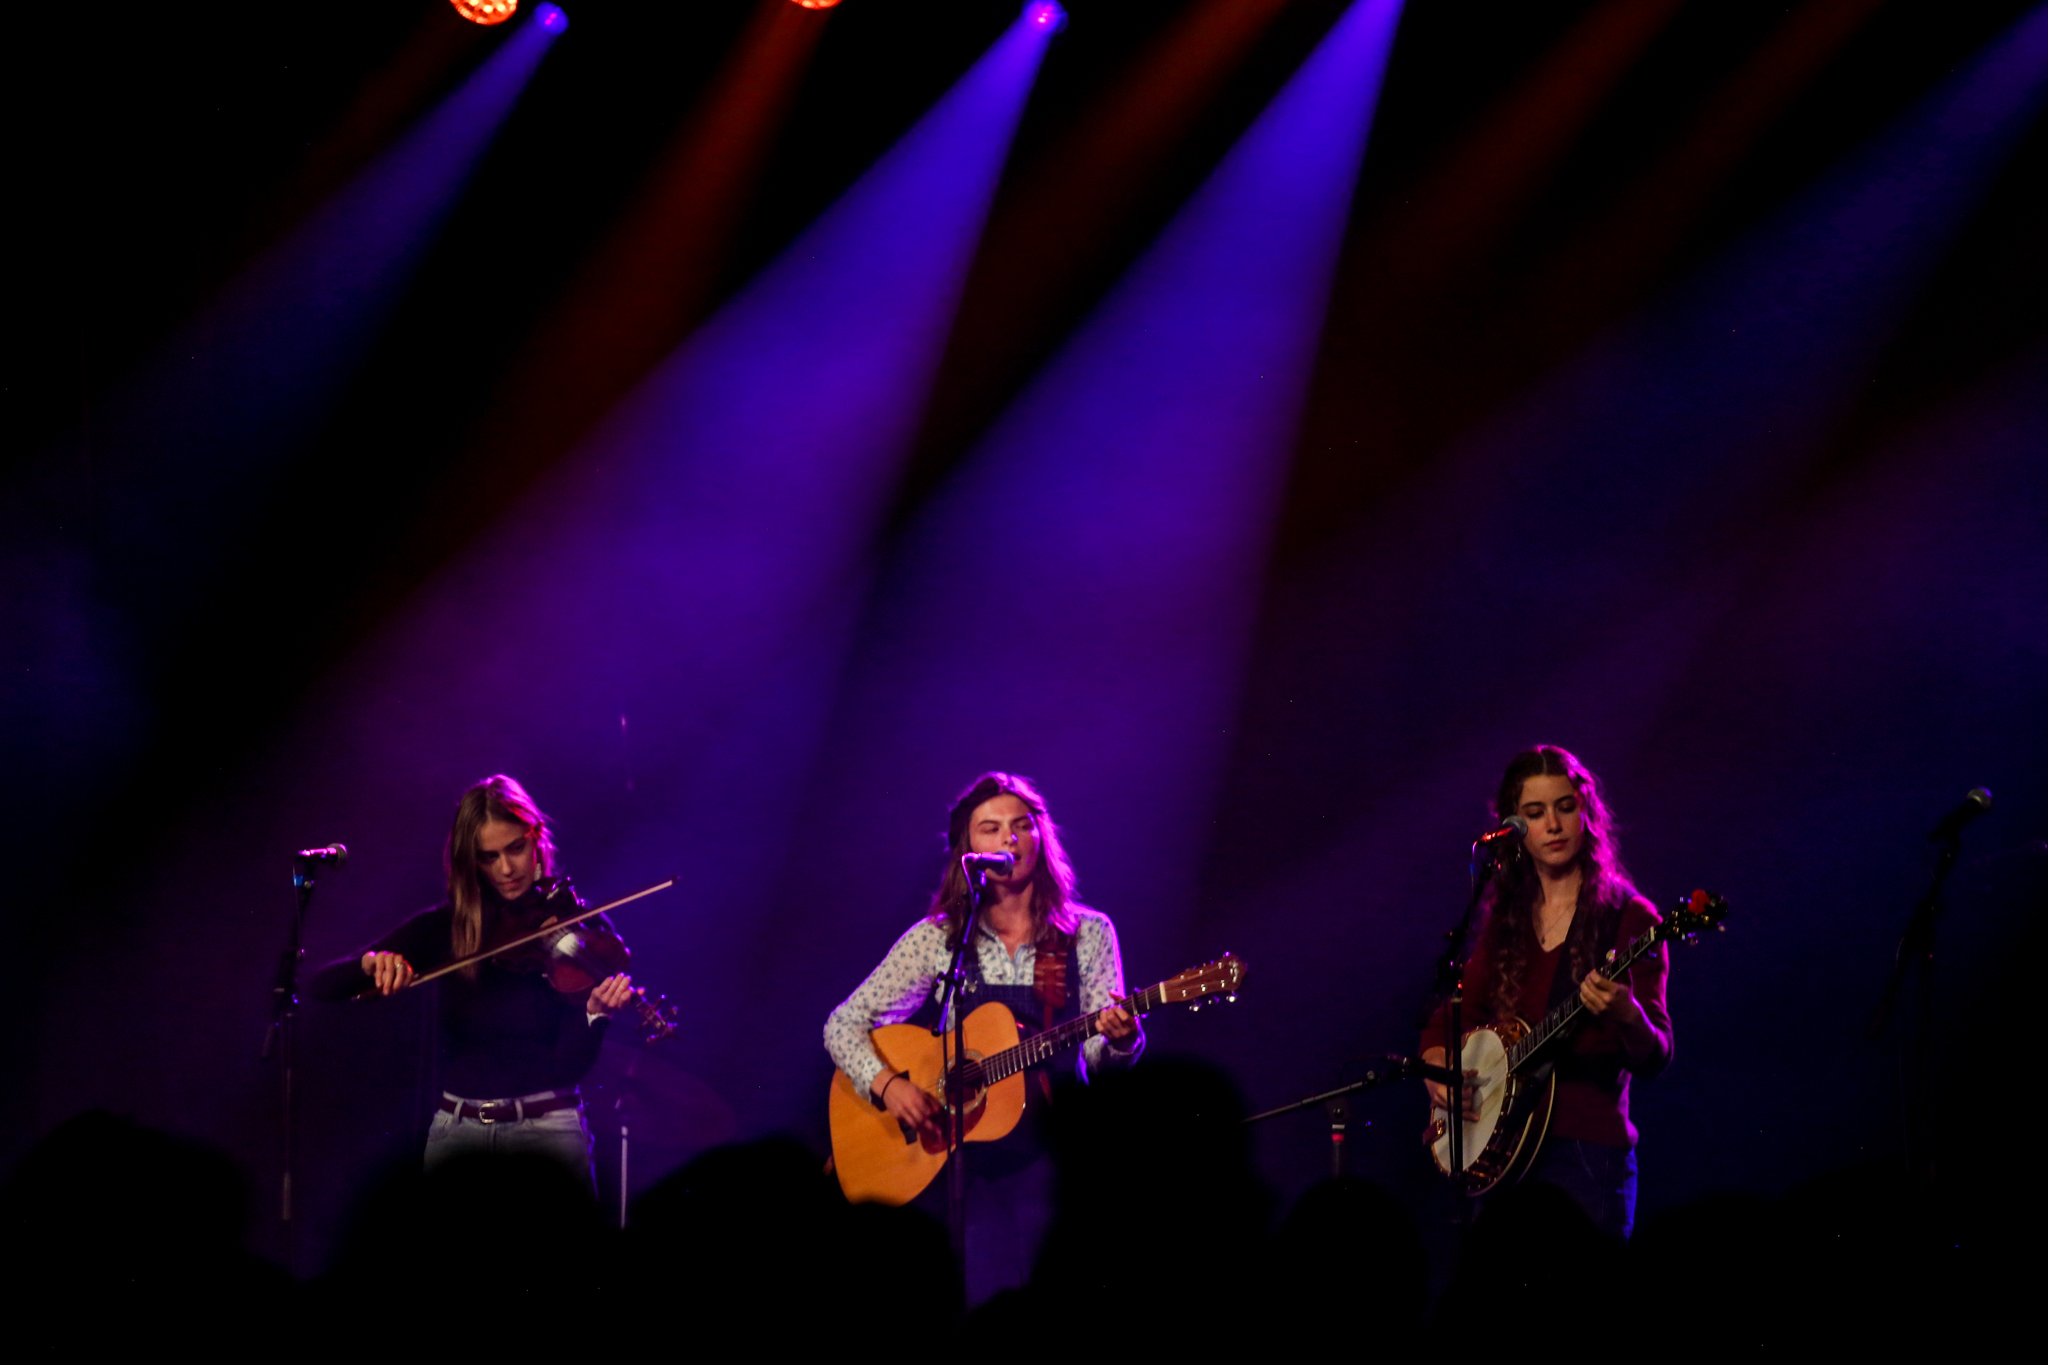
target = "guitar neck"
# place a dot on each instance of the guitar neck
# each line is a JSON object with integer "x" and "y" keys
{"x": 1043, "y": 1047}
{"x": 1567, "y": 1013}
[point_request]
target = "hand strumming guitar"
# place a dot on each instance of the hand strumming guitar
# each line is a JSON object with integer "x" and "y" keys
{"x": 907, "y": 1104}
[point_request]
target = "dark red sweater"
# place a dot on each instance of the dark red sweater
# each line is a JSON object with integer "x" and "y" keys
{"x": 1592, "y": 1070}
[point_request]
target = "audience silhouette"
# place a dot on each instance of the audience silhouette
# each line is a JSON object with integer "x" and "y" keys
{"x": 1159, "y": 1232}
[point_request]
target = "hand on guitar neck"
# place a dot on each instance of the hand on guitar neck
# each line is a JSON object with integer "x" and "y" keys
{"x": 917, "y": 1110}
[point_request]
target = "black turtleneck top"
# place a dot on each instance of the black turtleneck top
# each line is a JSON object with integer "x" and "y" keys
{"x": 502, "y": 1034}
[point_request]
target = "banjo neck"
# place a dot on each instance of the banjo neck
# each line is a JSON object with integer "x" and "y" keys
{"x": 1503, "y": 1141}
{"x": 1568, "y": 1012}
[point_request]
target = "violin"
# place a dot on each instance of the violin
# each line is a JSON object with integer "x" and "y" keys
{"x": 575, "y": 959}
{"x": 574, "y": 946}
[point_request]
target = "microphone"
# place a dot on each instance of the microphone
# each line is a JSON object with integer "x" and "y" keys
{"x": 1973, "y": 805}
{"x": 1514, "y": 827}
{"x": 988, "y": 862}
{"x": 332, "y": 853}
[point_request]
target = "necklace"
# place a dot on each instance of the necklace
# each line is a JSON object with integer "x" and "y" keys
{"x": 1550, "y": 935}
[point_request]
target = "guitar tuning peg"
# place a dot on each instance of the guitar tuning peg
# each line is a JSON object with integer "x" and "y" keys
{"x": 1195, "y": 1008}
{"x": 1231, "y": 998}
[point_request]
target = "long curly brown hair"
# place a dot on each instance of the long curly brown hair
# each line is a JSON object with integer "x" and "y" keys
{"x": 1510, "y": 903}
{"x": 1052, "y": 880}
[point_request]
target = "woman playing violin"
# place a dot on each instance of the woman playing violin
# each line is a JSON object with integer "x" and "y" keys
{"x": 513, "y": 1047}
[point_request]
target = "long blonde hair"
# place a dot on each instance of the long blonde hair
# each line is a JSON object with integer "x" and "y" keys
{"x": 495, "y": 798}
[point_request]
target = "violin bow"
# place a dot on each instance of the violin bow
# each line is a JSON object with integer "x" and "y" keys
{"x": 557, "y": 927}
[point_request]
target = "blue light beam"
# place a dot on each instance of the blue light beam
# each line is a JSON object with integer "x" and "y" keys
{"x": 699, "y": 564}
{"x": 1076, "y": 603}
{"x": 107, "y": 560}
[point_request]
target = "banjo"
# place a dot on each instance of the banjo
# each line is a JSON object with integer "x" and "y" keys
{"x": 1517, "y": 1086}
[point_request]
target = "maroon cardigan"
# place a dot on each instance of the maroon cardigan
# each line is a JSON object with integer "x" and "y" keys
{"x": 1592, "y": 1070}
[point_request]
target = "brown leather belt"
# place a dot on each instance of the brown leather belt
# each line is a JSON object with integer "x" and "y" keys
{"x": 512, "y": 1110}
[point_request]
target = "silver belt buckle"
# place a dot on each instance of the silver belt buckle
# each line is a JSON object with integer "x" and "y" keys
{"x": 496, "y": 1111}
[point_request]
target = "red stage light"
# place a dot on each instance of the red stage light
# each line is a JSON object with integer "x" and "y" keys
{"x": 817, "y": 4}
{"x": 486, "y": 11}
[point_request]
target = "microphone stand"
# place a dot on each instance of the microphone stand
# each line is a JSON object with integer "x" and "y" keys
{"x": 1333, "y": 1101}
{"x": 1450, "y": 989}
{"x": 278, "y": 1039}
{"x": 1917, "y": 945}
{"x": 952, "y": 1031}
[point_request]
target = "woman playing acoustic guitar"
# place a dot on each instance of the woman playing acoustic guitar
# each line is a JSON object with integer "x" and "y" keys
{"x": 1034, "y": 948}
{"x": 1550, "y": 917}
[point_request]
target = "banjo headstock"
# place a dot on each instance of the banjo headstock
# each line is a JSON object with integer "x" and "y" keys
{"x": 1700, "y": 912}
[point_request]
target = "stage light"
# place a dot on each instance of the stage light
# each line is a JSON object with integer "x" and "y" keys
{"x": 817, "y": 4}
{"x": 551, "y": 18}
{"x": 486, "y": 11}
{"x": 1046, "y": 14}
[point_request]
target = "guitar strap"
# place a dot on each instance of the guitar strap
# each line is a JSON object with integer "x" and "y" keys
{"x": 1051, "y": 972}
{"x": 1053, "y": 997}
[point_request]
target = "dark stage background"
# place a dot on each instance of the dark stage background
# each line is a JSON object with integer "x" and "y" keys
{"x": 1679, "y": 395}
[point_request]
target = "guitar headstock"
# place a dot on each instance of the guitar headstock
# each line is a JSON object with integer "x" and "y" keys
{"x": 1700, "y": 913}
{"x": 1211, "y": 979}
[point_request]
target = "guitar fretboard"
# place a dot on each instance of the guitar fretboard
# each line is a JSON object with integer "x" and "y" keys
{"x": 1561, "y": 1018}
{"x": 1043, "y": 1047}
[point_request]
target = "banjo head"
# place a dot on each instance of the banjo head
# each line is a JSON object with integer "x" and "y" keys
{"x": 1486, "y": 1053}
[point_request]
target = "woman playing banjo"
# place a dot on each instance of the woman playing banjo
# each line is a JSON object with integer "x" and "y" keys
{"x": 1550, "y": 918}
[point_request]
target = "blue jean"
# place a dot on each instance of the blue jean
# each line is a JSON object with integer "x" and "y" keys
{"x": 1007, "y": 1218}
{"x": 1009, "y": 1209}
{"x": 562, "y": 1135}
{"x": 1601, "y": 1180}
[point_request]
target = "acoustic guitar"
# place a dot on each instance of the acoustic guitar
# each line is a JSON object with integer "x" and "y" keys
{"x": 1515, "y": 1063}
{"x": 882, "y": 1160}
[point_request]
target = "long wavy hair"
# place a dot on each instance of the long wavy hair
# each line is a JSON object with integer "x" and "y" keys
{"x": 1604, "y": 885}
{"x": 495, "y": 798}
{"x": 1052, "y": 880}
